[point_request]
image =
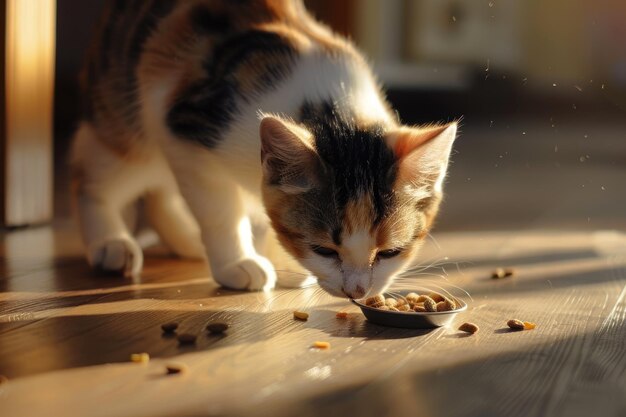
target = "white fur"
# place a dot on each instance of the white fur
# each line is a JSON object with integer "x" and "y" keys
{"x": 108, "y": 185}
{"x": 433, "y": 156}
{"x": 351, "y": 274}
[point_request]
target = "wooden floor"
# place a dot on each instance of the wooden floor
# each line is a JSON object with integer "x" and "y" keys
{"x": 66, "y": 335}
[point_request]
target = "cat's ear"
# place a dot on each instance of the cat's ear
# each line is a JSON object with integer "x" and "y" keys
{"x": 423, "y": 154}
{"x": 288, "y": 157}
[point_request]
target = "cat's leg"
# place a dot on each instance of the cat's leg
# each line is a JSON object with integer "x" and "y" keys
{"x": 219, "y": 208}
{"x": 103, "y": 186}
{"x": 170, "y": 217}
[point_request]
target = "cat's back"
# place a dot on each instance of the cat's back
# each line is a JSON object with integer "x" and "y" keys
{"x": 212, "y": 54}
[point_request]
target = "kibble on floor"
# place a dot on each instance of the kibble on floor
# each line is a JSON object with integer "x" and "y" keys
{"x": 217, "y": 327}
{"x": 169, "y": 327}
{"x": 175, "y": 368}
{"x": 300, "y": 315}
{"x": 469, "y": 328}
{"x": 515, "y": 324}
{"x": 187, "y": 338}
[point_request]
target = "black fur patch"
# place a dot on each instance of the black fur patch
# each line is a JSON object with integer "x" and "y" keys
{"x": 206, "y": 109}
{"x": 337, "y": 236}
{"x": 358, "y": 162}
{"x": 206, "y": 22}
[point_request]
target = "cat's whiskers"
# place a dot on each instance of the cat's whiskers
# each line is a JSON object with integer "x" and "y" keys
{"x": 431, "y": 237}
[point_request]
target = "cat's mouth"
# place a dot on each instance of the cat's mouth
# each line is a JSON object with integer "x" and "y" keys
{"x": 332, "y": 290}
{"x": 339, "y": 291}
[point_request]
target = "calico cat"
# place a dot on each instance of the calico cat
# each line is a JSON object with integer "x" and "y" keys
{"x": 255, "y": 136}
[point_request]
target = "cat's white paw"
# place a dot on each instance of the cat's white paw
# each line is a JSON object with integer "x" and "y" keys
{"x": 117, "y": 255}
{"x": 251, "y": 274}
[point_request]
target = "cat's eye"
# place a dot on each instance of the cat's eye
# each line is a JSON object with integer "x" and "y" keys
{"x": 325, "y": 252}
{"x": 389, "y": 253}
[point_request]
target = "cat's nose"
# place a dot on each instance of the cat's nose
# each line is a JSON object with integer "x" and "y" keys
{"x": 356, "y": 293}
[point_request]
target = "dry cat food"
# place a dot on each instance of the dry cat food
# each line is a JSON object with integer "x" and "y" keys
{"x": 169, "y": 327}
{"x": 187, "y": 338}
{"x": 500, "y": 273}
{"x": 469, "y": 328}
{"x": 175, "y": 368}
{"x": 436, "y": 297}
{"x": 3, "y": 379}
{"x": 515, "y": 324}
{"x": 140, "y": 358}
{"x": 430, "y": 305}
{"x": 376, "y": 301}
{"x": 413, "y": 302}
{"x": 300, "y": 315}
{"x": 217, "y": 327}
{"x": 412, "y": 298}
{"x": 321, "y": 345}
{"x": 446, "y": 305}
{"x": 341, "y": 315}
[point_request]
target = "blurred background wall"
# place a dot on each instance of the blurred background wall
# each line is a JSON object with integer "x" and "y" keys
{"x": 552, "y": 48}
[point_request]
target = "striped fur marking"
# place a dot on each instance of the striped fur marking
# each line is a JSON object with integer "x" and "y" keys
{"x": 240, "y": 68}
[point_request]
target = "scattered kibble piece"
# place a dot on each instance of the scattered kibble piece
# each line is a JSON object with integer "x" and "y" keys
{"x": 529, "y": 326}
{"x": 468, "y": 328}
{"x": 341, "y": 315}
{"x": 140, "y": 357}
{"x": 300, "y": 315}
{"x": 515, "y": 324}
{"x": 321, "y": 345}
{"x": 169, "y": 327}
{"x": 500, "y": 273}
{"x": 175, "y": 368}
{"x": 217, "y": 327}
{"x": 3, "y": 379}
{"x": 187, "y": 338}
{"x": 375, "y": 301}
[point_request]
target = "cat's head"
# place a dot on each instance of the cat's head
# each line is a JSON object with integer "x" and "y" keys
{"x": 352, "y": 204}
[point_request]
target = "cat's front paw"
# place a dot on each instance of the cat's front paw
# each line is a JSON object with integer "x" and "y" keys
{"x": 251, "y": 274}
{"x": 121, "y": 256}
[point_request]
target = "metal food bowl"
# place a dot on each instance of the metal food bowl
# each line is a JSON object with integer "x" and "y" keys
{"x": 410, "y": 320}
